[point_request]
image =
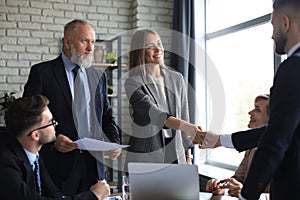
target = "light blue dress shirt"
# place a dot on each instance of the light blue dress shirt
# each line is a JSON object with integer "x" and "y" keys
{"x": 31, "y": 157}
{"x": 69, "y": 66}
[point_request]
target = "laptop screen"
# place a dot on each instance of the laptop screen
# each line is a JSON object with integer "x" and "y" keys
{"x": 156, "y": 181}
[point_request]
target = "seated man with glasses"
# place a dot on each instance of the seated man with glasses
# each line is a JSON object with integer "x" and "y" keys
{"x": 52, "y": 123}
{"x": 31, "y": 123}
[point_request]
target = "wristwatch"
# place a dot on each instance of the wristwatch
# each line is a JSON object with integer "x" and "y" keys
{"x": 189, "y": 156}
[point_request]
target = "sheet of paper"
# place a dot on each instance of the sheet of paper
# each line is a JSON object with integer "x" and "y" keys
{"x": 91, "y": 144}
{"x": 118, "y": 197}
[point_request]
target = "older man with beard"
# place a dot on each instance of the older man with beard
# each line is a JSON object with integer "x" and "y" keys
{"x": 74, "y": 170}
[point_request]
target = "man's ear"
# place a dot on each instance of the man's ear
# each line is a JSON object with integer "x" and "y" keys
{"x": 35, "y": 135}
{"x": 286, "y": 23}
{"x": 67, "y": 42}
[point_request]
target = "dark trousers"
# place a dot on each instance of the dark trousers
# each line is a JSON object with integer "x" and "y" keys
{"x": 82, "y": 175}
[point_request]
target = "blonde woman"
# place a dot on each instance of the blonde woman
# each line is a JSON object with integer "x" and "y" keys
{"x": 159, "y": 106}
{"x": 258, "y": 117}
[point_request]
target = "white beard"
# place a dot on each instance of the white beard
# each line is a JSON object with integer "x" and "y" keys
{"x": 79, "y": 59}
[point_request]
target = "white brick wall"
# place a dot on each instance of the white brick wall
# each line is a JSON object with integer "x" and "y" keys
{"x": 31, "y": 31}
{"x": 155, "y": 13}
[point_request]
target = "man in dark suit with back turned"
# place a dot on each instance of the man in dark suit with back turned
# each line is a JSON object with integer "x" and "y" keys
{"x": 277, "y": 158}
{"x": 71, "y": 169}
{"x": 22, "y": 171}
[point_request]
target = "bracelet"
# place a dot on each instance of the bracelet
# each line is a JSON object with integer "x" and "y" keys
{"x": 189, "y": 156}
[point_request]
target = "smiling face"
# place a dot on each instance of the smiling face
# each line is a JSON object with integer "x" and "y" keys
{"x": 154, "y": 50}
{"x": 259, "y": 115}
{"x": 79, "y": 44}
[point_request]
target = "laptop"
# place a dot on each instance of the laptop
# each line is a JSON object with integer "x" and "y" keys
{"x": 157, "y": 181}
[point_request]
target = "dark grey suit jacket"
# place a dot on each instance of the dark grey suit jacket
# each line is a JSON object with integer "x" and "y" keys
{"x": 147, "y": 140}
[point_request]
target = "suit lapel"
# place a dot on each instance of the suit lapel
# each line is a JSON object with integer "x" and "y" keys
{"x": 61, "y": 77}
{"x": 150, "y": 86}
{"x": 170, "y": 89}
{"x": 93, "y": 77}
{"x": 297, "y": 52}
{"x": 24, "y": 164}
{"x": 170, "y": 93}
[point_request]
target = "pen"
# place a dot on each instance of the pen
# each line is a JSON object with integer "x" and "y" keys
{"x": 218, "y": 183}
{"x": 221, "y": 181}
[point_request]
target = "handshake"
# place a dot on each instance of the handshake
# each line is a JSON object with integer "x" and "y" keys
{"x": 205, "y": 139}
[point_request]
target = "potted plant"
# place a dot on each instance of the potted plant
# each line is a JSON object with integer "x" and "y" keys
{"x": 5, "y": 101}
{"x": 110, "y": 58}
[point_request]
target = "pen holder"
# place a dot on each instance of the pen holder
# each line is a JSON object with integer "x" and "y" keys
{"x": 125, "y": 188}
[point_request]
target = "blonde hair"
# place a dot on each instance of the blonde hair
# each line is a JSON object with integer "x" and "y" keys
{"x": 262, "y": 97}
{"x": 137, "y": 51}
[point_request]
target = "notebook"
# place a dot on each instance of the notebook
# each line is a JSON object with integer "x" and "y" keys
{"x": 156, "y": 181}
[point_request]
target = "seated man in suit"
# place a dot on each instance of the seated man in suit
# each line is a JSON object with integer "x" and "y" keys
{"x": 31, "y": 123}
{"x": 258, "y": 117}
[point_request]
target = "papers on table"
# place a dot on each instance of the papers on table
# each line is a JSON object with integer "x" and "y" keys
{"x": 118, "y": 197}
{"x": 91, "y": 144}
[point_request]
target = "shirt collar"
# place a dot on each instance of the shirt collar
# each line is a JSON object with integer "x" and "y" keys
{"x": 31, "y": 157}
{"x": 293, "y": 49}
{"x": 69, "y": 65}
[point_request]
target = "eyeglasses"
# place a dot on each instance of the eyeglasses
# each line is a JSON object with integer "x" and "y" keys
{"x": 53, "y": 123}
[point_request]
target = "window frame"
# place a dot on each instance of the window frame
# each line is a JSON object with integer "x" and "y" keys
{"x": 202, "y": 39}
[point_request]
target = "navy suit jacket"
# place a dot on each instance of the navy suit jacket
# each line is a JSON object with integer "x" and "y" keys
{"x": 277, "y": 158}
{"x": 50, "y": 79}
{"x": 18, "y": 180}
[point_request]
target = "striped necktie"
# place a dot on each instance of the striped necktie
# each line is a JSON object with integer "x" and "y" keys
{"x": 37, "y": 174}
{"x": 80, "y": 103}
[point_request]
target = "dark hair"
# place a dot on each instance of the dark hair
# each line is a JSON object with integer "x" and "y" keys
{"x": 279, "y": 4}
{"x": 69, "y": 27}
{"x": 24, "y": 112}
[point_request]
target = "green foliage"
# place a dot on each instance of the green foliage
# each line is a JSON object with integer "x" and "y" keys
{"x": 110, "y": 57}
{"x": 6, "y": 100}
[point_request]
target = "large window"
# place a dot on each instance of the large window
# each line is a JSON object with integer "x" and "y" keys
{"x": 238, "y": 45}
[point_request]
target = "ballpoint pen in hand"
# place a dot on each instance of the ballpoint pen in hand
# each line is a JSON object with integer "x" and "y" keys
{"x": 223, "y": 182}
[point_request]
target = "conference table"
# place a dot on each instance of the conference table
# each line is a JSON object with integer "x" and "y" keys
{"x": 202, "y": 196}
{"x": 210, "y": 196}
